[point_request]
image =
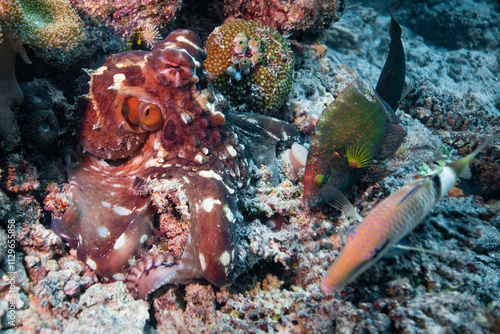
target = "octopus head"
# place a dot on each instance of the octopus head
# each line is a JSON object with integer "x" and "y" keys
{"x": 178, "y": 59}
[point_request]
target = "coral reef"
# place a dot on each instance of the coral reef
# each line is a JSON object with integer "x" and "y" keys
{"x": 467, "y": 20}
{"x": 140, "y": 18}
{"x": 287, "y": 16}
{"x": 21, "y": 176}
{"x": 36, "y": 97}
{"x": 42, "y": 23}
{"x": 252, "y": 65}
{"x": 41, "y": 129}
{"x": 284, "y": 249}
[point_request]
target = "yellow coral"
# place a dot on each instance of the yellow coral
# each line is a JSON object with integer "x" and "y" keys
{"x": 258, "y": 74}
{"x": 42, "y": 23}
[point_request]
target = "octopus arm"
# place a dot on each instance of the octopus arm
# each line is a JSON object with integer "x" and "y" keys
{"x": 107, "y": 223}
{"x": 210, "y": 250}
{"x": 262, "y": 135}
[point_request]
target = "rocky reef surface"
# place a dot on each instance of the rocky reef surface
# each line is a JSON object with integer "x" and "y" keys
{"x": 452, "y": 102}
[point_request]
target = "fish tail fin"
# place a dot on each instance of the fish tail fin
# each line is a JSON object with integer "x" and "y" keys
{"x": 462, "y": 167}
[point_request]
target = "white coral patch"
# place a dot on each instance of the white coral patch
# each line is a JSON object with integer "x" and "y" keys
{"x": 120, "y": 241}
{"x": 121, "y": 210}
{"x": 208, "y": 203}
{"x": 105, "y": 204}
{"x": 91, "y": 263}
{"x": 144, "y": 238}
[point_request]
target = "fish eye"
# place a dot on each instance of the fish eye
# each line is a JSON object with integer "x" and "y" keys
{"x": 319, "y": 179}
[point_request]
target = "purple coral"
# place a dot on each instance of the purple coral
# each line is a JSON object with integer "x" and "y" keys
{"x": 142, "y": 17}
{"x": 289, "y": 15}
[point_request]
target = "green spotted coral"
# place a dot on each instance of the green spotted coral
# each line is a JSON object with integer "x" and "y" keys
{"x": 251, "y": 63}
{"x": 42, "y": 23}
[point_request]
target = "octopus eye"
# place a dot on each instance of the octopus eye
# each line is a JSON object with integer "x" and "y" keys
{"x": 151, "y": 118}
{"x": 141, "y": 114}
{"x": 130, "y": 110}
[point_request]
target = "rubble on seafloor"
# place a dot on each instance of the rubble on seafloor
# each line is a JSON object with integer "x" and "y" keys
{"x": 450, "y": 106}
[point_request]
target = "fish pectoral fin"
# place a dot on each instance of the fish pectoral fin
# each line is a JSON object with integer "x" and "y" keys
{"x": 375, "y": 173}
{"x": 358, "y": 156}
{"x": 348, "y": 231}
{"x": 340, "y": 202}
{"x": 430, "y": 251}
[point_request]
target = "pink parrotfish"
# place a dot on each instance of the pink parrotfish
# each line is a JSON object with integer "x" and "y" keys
{"x": 393, "y": 219}
{"x": 356, "y": 131}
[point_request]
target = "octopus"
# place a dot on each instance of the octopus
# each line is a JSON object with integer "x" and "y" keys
{"x": 156, "y": 116}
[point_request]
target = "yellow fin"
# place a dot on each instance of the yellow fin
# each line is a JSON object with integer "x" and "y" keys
{"x": 358, "y": 156}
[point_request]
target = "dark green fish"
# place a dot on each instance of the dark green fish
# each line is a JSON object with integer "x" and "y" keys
{"x": 356, "y": 130}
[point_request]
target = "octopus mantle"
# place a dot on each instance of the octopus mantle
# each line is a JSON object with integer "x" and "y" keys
{"x": 149, "y": 116}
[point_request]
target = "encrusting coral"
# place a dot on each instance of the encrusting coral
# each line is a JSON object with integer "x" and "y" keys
{"x": 132, "y": 18}
{"x": 41, "y": 23}
{"x": 287, "y": 16}
{"x": 251, "y": 63}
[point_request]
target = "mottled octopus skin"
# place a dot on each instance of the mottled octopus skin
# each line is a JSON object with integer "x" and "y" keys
{"x": 110, "y": 221}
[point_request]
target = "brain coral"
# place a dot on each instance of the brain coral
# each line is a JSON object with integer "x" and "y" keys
{"x": 251, "y": 63}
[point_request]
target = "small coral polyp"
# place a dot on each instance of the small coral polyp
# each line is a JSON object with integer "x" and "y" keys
{"x": 251, "y": 63}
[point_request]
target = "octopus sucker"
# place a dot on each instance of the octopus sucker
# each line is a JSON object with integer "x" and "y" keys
{"x": 153, "y": 127}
